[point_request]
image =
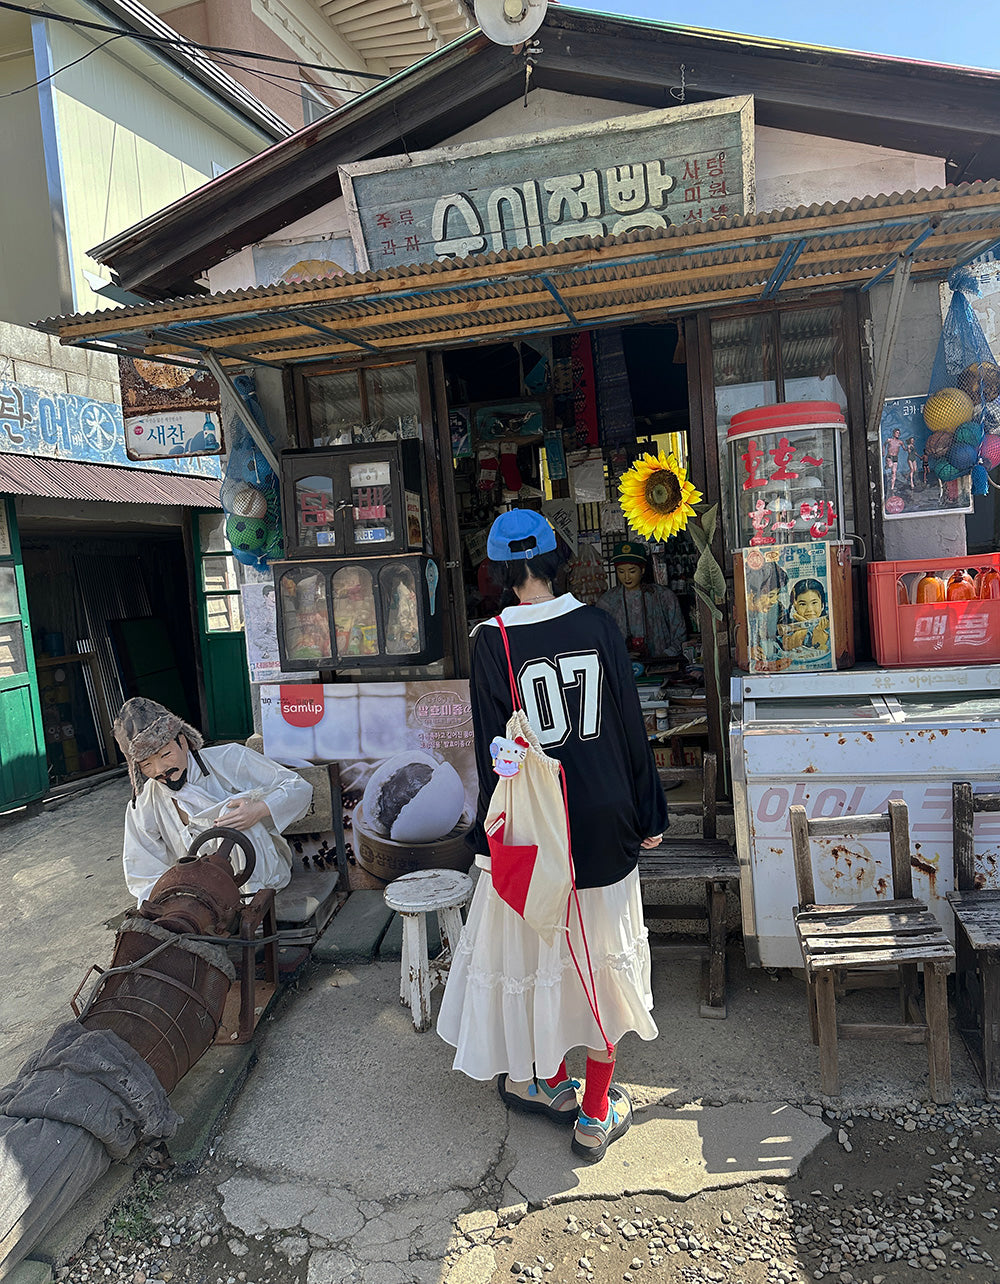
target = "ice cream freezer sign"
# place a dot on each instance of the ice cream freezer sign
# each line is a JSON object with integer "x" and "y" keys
{"x": 681, "y": 165}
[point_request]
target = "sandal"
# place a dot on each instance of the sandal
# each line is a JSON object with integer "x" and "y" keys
{"x": 599, "y": 1133}
{"x": 540, "y": 1099}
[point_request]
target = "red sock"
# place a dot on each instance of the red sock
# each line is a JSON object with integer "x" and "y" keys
{"x": 560, "y": 1076}
{"x": 508, "y": 466}
{"x": 595, "y": 1092}
{"x": 488, "y": 465}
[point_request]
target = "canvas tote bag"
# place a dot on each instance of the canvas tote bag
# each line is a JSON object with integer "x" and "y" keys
{"x": 527, "y": 827}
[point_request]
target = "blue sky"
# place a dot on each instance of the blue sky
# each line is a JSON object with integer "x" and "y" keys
{"x": 929, "y": 30}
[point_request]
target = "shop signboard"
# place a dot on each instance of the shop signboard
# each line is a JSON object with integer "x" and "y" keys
{"x": 59, "y": 425}
{"x": 170, "y": 411}
{"x": 675, "y": 166}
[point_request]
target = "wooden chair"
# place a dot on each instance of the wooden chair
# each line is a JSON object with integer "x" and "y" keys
{"x": 707, "y": 858}
{"x": 894, "y": 935}
{"x": 976, "y": 907}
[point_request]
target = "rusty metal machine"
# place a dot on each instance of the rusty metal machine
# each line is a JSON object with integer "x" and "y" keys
{"x": 168, "y": 992}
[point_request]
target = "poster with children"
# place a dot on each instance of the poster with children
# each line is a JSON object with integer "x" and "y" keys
{"x": 910, "y": 454}
{"x": 790, "y": 626}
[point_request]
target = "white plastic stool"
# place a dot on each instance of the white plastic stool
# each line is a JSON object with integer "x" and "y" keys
{"x": 444, "y": 891}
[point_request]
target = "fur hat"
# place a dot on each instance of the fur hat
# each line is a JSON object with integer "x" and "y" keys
{"x": 142, "y": 728}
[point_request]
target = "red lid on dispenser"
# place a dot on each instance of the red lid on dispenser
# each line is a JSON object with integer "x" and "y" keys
{"x": 785, "y": 415}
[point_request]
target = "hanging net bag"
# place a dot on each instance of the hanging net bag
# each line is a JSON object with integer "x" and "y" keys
{"x": 962, "y": 410}
{"x": 250, "y": 491}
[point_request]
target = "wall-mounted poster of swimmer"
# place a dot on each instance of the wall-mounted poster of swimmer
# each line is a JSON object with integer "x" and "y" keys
{"x": 918, "y": 477}
{"x": 790, "y": 624}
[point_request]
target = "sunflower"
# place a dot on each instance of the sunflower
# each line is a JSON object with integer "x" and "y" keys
{"x": 656, "y": 496}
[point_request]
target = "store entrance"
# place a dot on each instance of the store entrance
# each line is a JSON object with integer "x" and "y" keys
{"x": 111, "y": 618}
{"x": 552, "y": 424}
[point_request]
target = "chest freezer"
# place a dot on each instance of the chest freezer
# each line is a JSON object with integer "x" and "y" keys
{"x": 843, "y": 744}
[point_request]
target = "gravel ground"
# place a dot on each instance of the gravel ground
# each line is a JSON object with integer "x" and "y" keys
{"x": 888, "y": 1198}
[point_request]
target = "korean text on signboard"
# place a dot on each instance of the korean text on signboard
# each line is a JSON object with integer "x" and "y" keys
{"x": 169, "y": 410}
{"x": 682, "y": 165}
{"x": 58, "y": 425}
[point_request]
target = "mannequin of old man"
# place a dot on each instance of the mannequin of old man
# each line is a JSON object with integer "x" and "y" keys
{"x": 180, "y": 789}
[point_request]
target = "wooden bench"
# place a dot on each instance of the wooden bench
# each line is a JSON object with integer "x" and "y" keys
{"x": 893, "y": 935}
{"x": 977, "y": 941}
{"x": 709, "y": 859}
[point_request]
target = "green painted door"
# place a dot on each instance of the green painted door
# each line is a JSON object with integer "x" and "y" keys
{"x": 23, "y": 771}
{"x": 223, "y": 644}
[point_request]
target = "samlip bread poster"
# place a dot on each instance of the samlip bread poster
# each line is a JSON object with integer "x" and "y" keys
{"x": 407, "y": 766}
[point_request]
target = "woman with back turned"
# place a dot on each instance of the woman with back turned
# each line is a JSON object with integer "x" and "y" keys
{"x": 514, "y": 1006}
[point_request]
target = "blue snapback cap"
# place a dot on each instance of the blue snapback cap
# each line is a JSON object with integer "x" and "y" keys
{"x": 520, "y": 525}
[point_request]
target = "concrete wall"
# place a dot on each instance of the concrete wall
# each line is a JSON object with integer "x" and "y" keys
{"x": 40, "y": 361}
{"x": 910, "y": 375}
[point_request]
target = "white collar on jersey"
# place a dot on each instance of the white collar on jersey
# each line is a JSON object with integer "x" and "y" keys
{"x": 536, "y": 612}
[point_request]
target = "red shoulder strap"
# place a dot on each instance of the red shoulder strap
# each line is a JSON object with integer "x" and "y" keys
{"x": 514, "y": 697}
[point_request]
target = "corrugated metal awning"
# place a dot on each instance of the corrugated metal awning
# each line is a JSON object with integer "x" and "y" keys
{"x": 70, "y": 479}
{"x": 588, "y": 281}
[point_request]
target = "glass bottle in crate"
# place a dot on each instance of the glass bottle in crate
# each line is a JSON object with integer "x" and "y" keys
{"x": 987, "y": 584}
{"x": 960, "y": 587}
{"x": 931, "y": 589}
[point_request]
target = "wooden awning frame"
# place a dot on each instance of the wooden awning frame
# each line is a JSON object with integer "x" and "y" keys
{"x": 582, "y": 283}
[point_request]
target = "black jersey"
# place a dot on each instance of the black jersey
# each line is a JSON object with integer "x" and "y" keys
{"x": 576, "y": 684}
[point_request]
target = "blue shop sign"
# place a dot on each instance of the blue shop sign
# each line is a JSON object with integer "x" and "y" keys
{"x": 58, "y": 425}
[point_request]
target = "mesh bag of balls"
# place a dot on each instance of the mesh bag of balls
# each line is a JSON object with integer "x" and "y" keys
{"x": 962, "y": 410}
{"x": 251, "y": 500}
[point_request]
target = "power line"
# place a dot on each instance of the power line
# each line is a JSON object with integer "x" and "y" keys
{"x": 34, "y": 85}
{"x": 180, "y": 43}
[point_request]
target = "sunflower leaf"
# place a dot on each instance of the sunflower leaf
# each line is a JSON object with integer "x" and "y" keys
{"x": 708, "y": 522}
{"x": 709, "y": 577}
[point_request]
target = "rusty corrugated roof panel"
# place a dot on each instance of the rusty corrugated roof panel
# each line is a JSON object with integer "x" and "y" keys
{"x": 584, "y": 281}
{"x": 71, "y": 479}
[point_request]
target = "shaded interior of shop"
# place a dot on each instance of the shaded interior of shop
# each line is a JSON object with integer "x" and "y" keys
{"x": 111, "y": 617}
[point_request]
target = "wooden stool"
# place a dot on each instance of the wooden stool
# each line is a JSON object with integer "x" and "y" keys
{"x": 444, "y": 891}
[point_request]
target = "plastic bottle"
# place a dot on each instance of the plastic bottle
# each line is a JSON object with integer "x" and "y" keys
{"x": 931, "y": 588}
{"x": 987, "y": 583}
{"x": 960, "y": 587}
{"x": 902, "y": 597}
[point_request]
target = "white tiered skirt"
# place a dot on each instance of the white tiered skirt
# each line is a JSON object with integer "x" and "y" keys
{"x": 515, "y": 1005}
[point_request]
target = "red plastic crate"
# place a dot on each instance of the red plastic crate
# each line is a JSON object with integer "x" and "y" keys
{"x": 932, "y": 632}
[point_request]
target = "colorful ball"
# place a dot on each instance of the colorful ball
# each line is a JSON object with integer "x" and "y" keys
{"x": 894, "y": 504}
{"x": 981, "y": 381}
{"x": 989, "y": 452}
{"x": 247, "y": 501}
{"x": 938, "y": 444}
{"x": 969, "y": 434}
{"x": 247, "y": 534}
{"x": 963, "y": 456}
{"x": 945, "y": 409}
{"x": 946, "y": 471}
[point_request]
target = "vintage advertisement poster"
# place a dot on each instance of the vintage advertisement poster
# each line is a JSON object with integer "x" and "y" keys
{"x": 407, "y": 765}
{"x": 676, "y": 165}
{"x": 169, "y": 411}
{"x": 261, "y": 632}
{"x": 790, "y": 624}
{"x": 909, "y": 451}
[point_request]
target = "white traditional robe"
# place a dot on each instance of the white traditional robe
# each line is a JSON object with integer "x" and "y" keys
{"x": 156, "y": 837}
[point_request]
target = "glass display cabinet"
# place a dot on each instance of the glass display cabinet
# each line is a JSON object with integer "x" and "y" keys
{"x": 361, "y": 612}
{"x": 345, "y": 501}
